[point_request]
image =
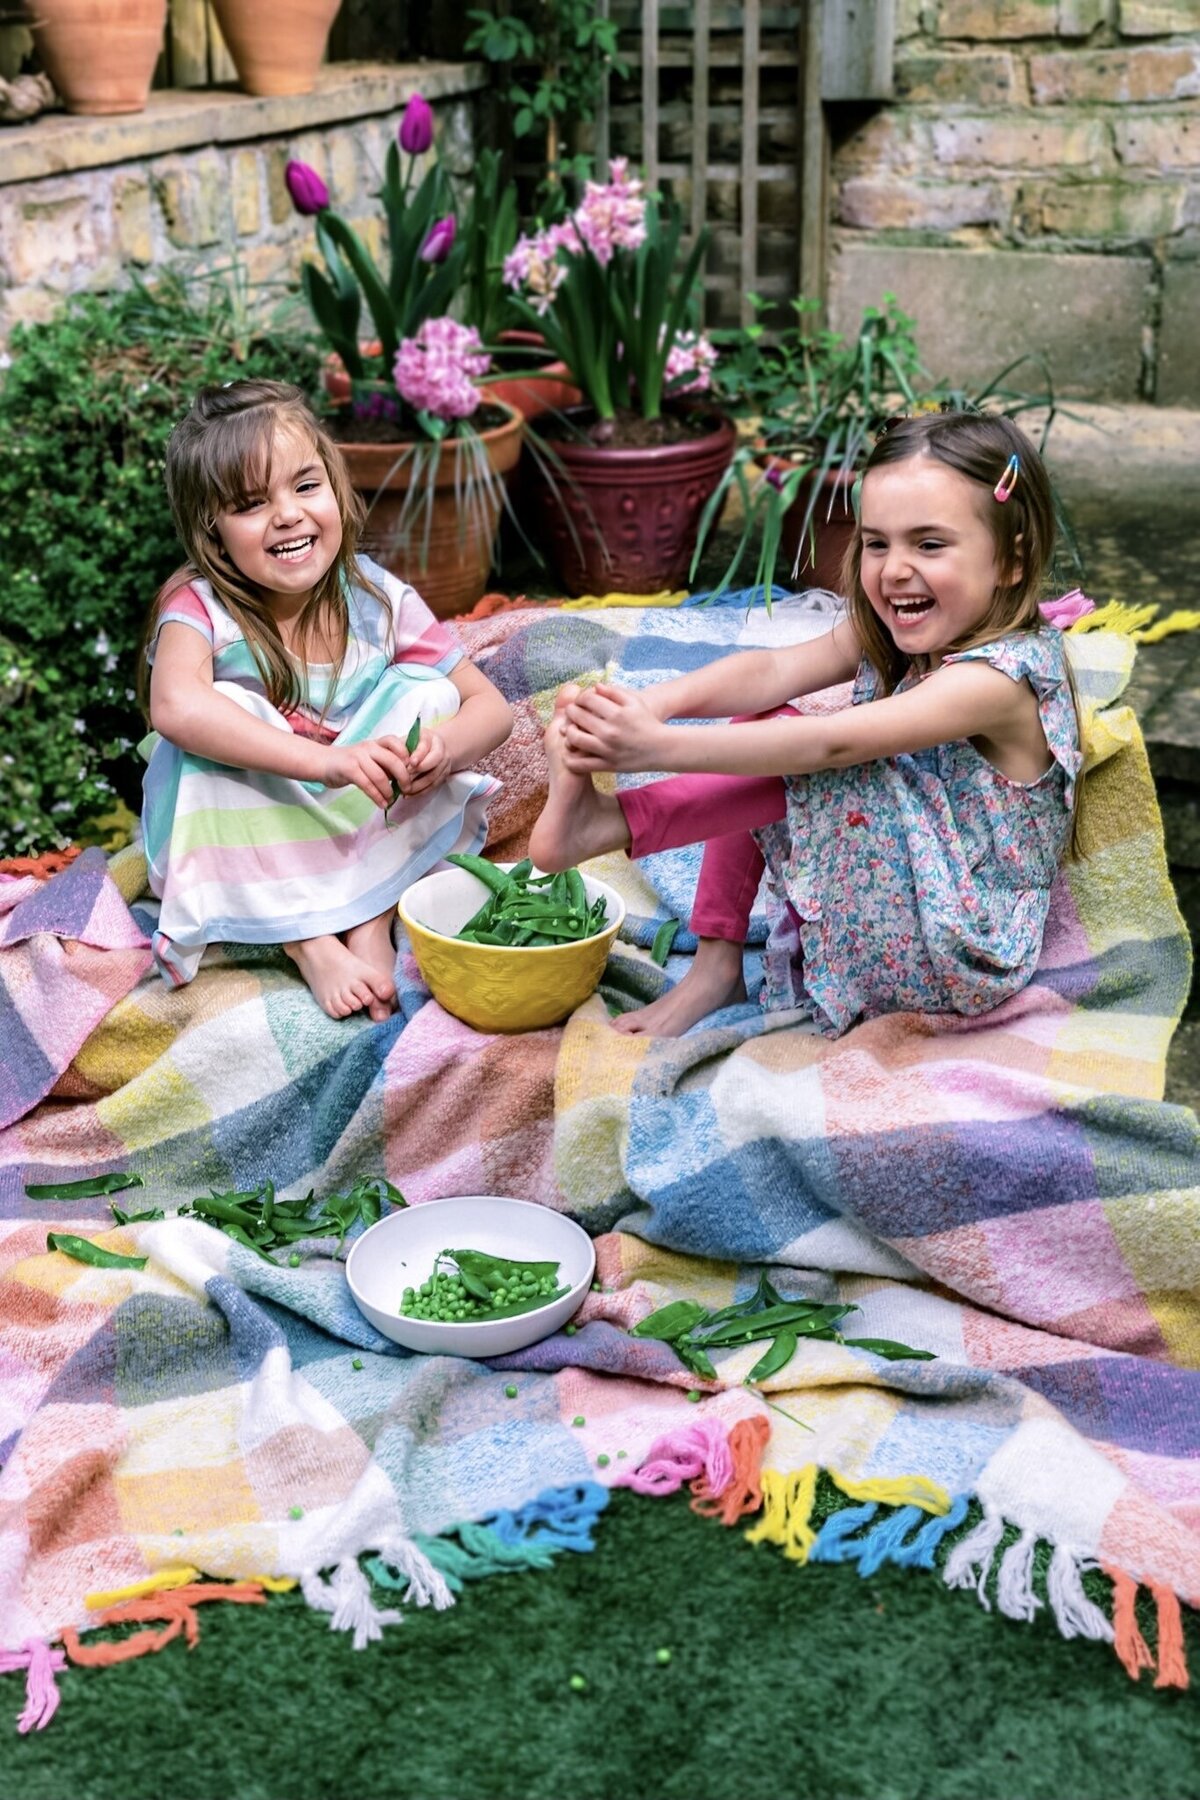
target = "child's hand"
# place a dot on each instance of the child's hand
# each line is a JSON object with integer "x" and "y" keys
{"x": 607, "y": 727}
{"x": 373, "y": 767}
{"x": 428, "y": 765}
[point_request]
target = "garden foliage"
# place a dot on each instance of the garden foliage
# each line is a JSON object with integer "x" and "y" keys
{"x": 86, "y": 404}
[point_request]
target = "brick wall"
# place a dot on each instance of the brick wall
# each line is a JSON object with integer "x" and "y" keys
{"x": 1035, "y": 183}
{"x": 198, "y": 178}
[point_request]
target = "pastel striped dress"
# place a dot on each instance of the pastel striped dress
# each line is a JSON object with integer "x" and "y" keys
{"x": 245, "y": 857}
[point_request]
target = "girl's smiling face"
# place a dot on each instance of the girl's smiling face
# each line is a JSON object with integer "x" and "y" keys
{"x": 286, "y": 534}
{"x": 929, "y": 565}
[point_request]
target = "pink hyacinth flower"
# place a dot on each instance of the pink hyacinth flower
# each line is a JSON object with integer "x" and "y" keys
{"x": 308, "y": 191}
{"x": 436, "y": 371}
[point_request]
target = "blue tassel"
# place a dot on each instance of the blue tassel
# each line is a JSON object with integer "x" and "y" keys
{"x": 920, "y": 1551}
{"x": 884, "y": 1543}
{"x": 563, "y": 1517}
{"x": 831, "y": 1545}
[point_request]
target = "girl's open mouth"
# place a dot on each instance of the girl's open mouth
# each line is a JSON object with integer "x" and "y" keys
{"x": 293, "y": 550}
{"x": 910, "y": 612}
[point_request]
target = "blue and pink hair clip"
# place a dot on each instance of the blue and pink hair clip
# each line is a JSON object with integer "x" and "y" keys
{"x": 1008, "y": 481}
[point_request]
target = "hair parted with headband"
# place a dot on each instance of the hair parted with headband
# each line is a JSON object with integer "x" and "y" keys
{"x": 218, "y": 458}
{"x": 984, "y": 448}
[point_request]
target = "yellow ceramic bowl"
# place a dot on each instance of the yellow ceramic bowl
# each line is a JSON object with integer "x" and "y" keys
{"x": 495, "y": 989}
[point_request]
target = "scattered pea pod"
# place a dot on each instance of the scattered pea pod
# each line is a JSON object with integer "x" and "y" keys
{"x": 527, "y": 909}
{"x": 87, "y": 1189}
{"x": 84, "y": 1251}
{"x": 692, "y": 1331}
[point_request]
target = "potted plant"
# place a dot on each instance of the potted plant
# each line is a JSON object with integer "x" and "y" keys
{"x": 429, "y": 453}
{"x": 100, "y": 54}
{"x": 813, "y": 403}
{"x": 623, "y": 481}
{"x": 276, "y": 51}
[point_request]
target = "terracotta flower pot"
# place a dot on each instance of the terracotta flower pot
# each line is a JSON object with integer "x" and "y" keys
{"x": 625, "y": 520}
{"x": 276, "y": 49}
{"x": 435, "y": 541}
{"x": 334, "y": 378}
{"x": 100, "y": 54}
{"x": 815, "y": 555}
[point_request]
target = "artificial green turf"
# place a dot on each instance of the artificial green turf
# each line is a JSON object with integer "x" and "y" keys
{"x": 782, "y": 1682}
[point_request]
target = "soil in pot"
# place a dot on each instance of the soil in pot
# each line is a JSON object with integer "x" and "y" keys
{"x": 433, "y": 523}
{"x": 616, "y": 505}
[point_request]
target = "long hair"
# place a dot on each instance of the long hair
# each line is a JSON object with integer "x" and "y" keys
{"x": 977, "y": 446}
{"x": 218, "y": 458}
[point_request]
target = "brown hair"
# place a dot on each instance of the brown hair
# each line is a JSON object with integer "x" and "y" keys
{"x": 218, "y": 458}
{"x": 978, "y": 446}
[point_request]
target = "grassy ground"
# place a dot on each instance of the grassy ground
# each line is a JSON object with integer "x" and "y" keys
{"x": 782, "y": 1682}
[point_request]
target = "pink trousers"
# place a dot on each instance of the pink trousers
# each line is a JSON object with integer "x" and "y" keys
{"x": 722, "y": 810}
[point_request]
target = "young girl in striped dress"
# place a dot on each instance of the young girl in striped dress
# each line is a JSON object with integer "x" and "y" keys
{"x": 285, "y": 675}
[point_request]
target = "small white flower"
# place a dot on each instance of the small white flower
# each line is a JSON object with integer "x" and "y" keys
{"x": 14, "y": 674}
{"x": 101, "y": 645}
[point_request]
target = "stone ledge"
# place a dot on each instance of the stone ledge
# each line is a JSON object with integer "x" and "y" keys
{"x": 183, "y": 118}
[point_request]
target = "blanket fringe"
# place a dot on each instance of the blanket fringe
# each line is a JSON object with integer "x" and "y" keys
{"x": 41, "y": 1664}
{"x": 1014, "y": 1586}
{"x": 1172, "y": 1660}
{"x": 1076, "y": 1615}
{"x": 507, "y": 1542}
{"x": 970, "y": 1563}
{"x": 177, "y": 1607}
{"x": 346, "y": 1597}
{"x": 787, "y": 1509}
{"x": 742, "y": 1492}
{"x": 693, "y": 1450}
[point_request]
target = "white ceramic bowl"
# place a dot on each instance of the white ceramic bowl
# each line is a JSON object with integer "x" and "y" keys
{"x": 399, "y": 1252}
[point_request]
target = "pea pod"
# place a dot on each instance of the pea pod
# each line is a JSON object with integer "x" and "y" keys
{"x": 892, "y": 1351}
{"x": 664, "y": 937}
{"x": 84, "y": 1251}
{"x": 138, "y": 1218}
{"x": 87, "y": 1189}
{"x": 670, "y": 1321}
{"x": 414, "y": 736}
{"x": 776, "y": 1358}
{"x": 483, "y": 870}
{"x": 576, "y": 892}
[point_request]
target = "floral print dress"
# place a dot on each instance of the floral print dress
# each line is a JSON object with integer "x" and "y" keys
{"x": 921, "y": 882}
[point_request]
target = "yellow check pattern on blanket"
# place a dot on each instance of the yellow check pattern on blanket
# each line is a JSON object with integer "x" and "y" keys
{"x": 1010, "y": 1193}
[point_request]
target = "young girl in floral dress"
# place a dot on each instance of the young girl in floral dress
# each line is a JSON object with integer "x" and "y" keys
{"x": 286, "y": 676}
{"x": 911, "y": 837}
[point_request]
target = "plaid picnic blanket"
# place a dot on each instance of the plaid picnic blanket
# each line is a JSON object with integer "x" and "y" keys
{"x": 1010, "y": 1193}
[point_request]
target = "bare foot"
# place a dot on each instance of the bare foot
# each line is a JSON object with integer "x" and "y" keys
{"x": 715, "y": 979}
{"x": 577, "y": 820}
{"x": 341, "y": 982}
{"x": 372, "y": 942}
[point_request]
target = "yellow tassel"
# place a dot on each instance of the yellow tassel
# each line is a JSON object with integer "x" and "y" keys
{"x": 1181, "y": 620}
{"x": 276, "y": 1584}
{"x": 787, "y": 1508}
{"x": 587, "y": 601}
{"x": 905, "y": 1490}
{"x": 153, "y": 1584}
{"x": 1116, "y": 616}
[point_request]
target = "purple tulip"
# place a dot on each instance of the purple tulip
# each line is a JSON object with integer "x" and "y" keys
{"x": 416, "y": 127}
{"x": 775, "y": 476}
{"x": 440, "y": 242}
{"x": 308, "y": 191}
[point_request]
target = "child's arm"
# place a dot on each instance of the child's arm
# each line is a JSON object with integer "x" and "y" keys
{"x": 482, "y": 722}
{"x": 612, "y": 730}
{"x": 754, "y": 681}
{"x": 186, "y": 709}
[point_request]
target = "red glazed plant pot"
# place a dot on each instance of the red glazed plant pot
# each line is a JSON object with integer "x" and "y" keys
{"x": 625, "y": 520}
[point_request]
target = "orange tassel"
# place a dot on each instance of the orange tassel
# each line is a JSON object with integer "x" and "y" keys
{"x": 1128, "y": 1642}
{"x": 743, "y": 1493}
{"x": 177, "y": 1607}
{"x": 1172, "y": 1659}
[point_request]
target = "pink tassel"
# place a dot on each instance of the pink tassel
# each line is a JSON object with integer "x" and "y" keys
{"x": 699, "y": 1449}
{"x": 41, "y": 1664}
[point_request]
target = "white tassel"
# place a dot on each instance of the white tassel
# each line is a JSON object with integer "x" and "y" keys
{"x": 347, "y": 1598}
{"x": 1014, "y": 1584}
{"x": 970, "y": 1563}
{"x": 1076, "y": 1615}
{"x": 426, "y": 1585}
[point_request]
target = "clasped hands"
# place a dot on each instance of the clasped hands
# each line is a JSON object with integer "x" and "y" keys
{"x": 606, "y": 727}
{"x": 381, "y": 766}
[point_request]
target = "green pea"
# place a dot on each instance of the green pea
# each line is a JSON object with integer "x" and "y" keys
{"x": 357, "y": 1363}
{"x": 510, "y": 1392}
{"x": 602, "y": 1461}
{"x": 662, "y": 1657}
{"x": 579, "y": 1419}
{"x": 578, "y": 1684}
